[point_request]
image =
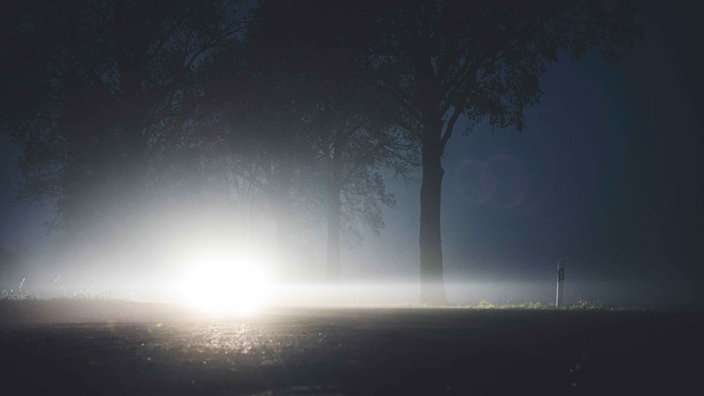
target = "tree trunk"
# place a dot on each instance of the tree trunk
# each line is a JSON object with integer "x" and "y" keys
{"x": 283, "y": 232}
{"x": 333, "y": 214}
{"x": 333, "y": 246}
{"x": 429, "y": 98}
{"x": 432, "y": 288}
{"x": 281, "y": 201}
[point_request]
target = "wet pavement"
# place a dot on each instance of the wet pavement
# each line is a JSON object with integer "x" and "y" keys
{"x": 351, "y": 351}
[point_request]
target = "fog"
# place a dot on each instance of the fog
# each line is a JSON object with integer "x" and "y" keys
{"x": 606, "y": 175}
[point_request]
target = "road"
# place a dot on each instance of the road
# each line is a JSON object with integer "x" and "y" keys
{"x": 130, "y": 348}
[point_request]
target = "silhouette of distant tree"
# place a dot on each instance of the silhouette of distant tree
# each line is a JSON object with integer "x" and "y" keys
{"x": 10, "y": 275}
{"x": 355, "y": 141}
{"x": 291, "y": 96}
{"x": 262, "y": 140}
{"x": 96, "y": 92}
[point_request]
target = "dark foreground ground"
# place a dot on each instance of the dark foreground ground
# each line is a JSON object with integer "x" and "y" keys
{"x": 113, "y": 347}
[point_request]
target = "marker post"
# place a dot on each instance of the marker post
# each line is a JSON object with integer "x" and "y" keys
{"x": 560, "y": 282}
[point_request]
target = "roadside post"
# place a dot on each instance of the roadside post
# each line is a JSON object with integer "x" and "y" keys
{"x": 560, "y": 282}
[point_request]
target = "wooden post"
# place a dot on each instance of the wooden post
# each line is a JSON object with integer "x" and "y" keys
{"x": 560, "y": 282}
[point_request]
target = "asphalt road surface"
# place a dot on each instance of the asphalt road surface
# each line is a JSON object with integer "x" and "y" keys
{"x": 113, "y": 347}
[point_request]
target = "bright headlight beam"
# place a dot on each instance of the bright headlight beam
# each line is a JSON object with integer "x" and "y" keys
{"x": 227, "y": 283}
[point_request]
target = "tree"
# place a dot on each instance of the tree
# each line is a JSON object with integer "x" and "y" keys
{"x": 308, "y": 119}
{"x": 261, "y": 138}
{"x": 10, "y": 274}
{"x": 355, "y": 142}
{"x": 442, "y": 61}
{"x": 480, "y": 60}
{"x": 97, "y": 93}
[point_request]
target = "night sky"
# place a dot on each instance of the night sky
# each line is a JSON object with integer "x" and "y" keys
{"x": 608, "y": 175}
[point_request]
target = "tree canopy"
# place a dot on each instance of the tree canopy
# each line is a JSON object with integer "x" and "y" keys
{"x": 108, "y": 98}
{"x": 96, "y": 93}
{"x": 480, "y": 61}
{"x": 444, "y": 62}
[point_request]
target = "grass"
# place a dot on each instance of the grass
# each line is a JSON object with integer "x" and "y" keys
{"x": 10, "y": 295}
{"x": 18, "y": 295}
{"x": 580, "y": 305}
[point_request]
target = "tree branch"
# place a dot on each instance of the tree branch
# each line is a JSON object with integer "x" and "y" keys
{"x": 449, "y": 128}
